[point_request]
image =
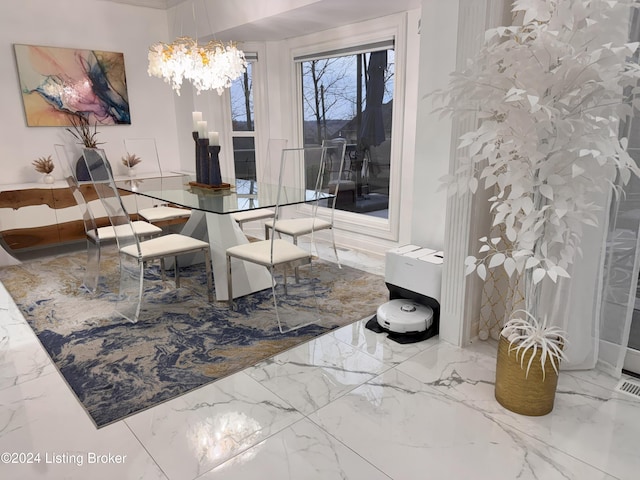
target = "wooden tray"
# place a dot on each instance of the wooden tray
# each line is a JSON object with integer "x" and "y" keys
{"x": 222, "y": 186}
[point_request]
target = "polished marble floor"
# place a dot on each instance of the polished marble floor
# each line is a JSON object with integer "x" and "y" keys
{"x": 348, "y": 405}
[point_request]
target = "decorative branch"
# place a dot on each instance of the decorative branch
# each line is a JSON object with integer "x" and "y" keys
{"x": 44, "y": 165}
{"x": 130, "y": 160}
{"x": 82, "y": 131}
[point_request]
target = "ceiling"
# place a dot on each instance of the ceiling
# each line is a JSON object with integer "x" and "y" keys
{"x": 161, "y": 4}
{"x": 314, "y": 16}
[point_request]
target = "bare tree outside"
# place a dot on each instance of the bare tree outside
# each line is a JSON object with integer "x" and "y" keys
{"x": 351, "y": 96}
{"x": 243, "y": 126}
{"x": 242, "y": 102}
{"x": 326, "y": 86}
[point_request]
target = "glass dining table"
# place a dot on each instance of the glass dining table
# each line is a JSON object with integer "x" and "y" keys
{"x": 211, "y": 220}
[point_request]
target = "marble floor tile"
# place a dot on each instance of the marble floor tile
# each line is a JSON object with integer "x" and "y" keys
{"x": 458, "y": 372}
{"x": 311, "y": 375}
{"x": 196, "y": 432}
{"x": 43, "y": 421}
{"x": 376, "y": 410}
{"x": 589, "y": 421}
{"x": 22, "y": 357}
{"x": 412, "y": 431}
{"x": 301, "y": 451}
{"x": 378, "y": 345}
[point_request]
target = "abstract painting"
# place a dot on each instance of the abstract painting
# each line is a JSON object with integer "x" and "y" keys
{"x": 57, "y": 83}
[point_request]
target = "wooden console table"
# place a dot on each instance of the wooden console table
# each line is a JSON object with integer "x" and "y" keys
{"x": 39, "y": 215}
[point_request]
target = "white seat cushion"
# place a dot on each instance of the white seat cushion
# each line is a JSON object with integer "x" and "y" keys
{"x": 140, "y": 228}
{"x": 260, "y": 252}
{"x": 299, "y": 226}
{"x": 159, "y": 214}
{"x": 165, "y": 246}
{"x": 249, "y": 215}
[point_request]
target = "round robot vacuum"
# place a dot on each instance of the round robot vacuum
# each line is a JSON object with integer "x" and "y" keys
{"x": 404, "y": 316}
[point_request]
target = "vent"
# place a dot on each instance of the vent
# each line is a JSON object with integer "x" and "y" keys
{"x": 629, "y": 387}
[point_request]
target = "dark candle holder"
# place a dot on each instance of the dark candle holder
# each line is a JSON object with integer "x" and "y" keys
{"x": 202, "y": 161}
{"x": 215, "y": 176}
{"x": 194, "y": 135}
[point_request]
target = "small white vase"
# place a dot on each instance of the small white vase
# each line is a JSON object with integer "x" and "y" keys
{"x": 48, "y": 178}
{"x": 131, "y": 172}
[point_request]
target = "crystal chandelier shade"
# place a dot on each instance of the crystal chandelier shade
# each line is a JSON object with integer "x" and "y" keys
{"x": 212, "y": 66}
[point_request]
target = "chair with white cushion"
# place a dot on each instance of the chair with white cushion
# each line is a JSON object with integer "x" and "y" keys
{"x": 275, "y": 253}
{"x": 147, "y": 151}
{"x": 331, "y": 166}
{"x": 134, "y": 253}
{"x": 274, "y": 152}
{"x": 96, "y": 236}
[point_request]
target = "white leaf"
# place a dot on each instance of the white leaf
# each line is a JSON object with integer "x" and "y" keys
{"x": 546, "y": 191}
{"x": 561, "y": 272}
{"x": 484, "y": 248}
{"x": 531, "y": 262}
{"x": 469, "y": 269}
{"x": 473, "y": 184}
{"x": 538, "y": 274}
{"x": 497, "y": 259}
{"x": 496, "y": 240}
{"x": 624, "y": 142}
{"x": 470, "y": 260}
{"x": 576, "y": 171}
{"x": 509, "y": 266}
{"x": 482, "y": 271}
{"x": 465, "y": 142}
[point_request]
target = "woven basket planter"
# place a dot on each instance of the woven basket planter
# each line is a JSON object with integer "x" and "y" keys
{"x": 521, "y": 394}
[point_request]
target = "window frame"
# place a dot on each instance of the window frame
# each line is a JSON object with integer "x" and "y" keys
{"x": 392, "y": 28}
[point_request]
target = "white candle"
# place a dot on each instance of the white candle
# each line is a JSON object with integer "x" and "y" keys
{"x": 214, "y": 138}
{"x": 202, "y": 129}
{"x": 197, "y": 117}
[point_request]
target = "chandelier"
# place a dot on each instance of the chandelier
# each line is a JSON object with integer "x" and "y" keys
{"x": 212, "y": 66}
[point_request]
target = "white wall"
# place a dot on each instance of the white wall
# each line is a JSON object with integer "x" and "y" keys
{"x": 87, "y": 25}
{"x": 438, "y": 48}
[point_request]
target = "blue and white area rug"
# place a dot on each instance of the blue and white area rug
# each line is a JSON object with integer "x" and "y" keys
{"x": 117, "y": 368}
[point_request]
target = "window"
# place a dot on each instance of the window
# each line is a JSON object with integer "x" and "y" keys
{"x": 349, "y": 94}
{"x": 243, "y": 124}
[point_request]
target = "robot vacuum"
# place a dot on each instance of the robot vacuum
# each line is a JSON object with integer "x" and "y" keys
{"x": 404, "y": 316}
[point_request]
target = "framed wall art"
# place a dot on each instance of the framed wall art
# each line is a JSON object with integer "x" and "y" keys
{"x": 58, "y": 83}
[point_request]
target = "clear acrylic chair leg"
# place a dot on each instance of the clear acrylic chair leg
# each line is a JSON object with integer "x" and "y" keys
{"x": 92, "y": 268}
{"x": 291, "y": 318}
{"x": 335, "y": 250}
{"x": 129, "y": 299}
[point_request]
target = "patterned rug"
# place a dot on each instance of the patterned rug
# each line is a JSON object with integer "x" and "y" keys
{"x": 182, "y": 342}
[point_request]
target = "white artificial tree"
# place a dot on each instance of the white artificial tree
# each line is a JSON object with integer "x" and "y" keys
{"x": 548, "y": 94}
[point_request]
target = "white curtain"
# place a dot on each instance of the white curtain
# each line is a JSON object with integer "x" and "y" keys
{"x": 620, "y": 279}
{"x": 622, "y": 262}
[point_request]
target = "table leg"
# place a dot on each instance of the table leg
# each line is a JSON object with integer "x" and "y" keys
{"x": 223, "y": 232}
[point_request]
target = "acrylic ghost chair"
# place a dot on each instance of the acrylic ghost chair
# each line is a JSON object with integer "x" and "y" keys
{"x": 97, "y": 236}
{"x": 162, "y": 214}
{"x": 134, "y": 253}
{"x": 275, "y": 252}
{"x": 330, "y": 171}
{"x": 274, "y": 152}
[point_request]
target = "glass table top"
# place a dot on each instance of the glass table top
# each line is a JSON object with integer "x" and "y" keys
{"x": 243, "y": 194}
